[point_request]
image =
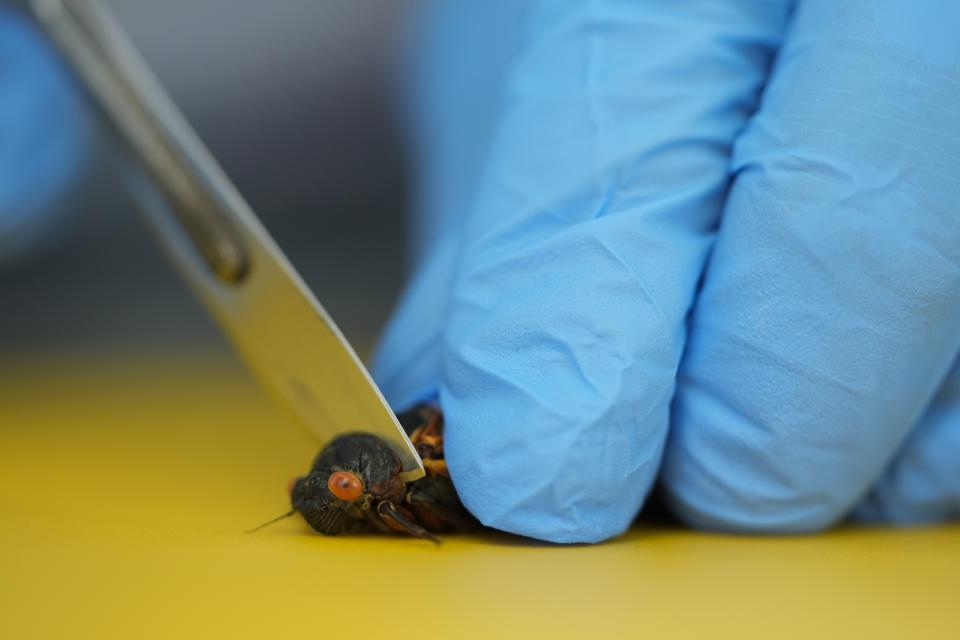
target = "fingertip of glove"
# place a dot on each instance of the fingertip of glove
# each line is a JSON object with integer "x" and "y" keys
{"x": 563, "y": 480}
{"x": 556, "y": 395}
{"x": 540, "y": 515}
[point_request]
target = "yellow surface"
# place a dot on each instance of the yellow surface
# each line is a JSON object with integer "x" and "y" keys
{"x": 125, "y": 486}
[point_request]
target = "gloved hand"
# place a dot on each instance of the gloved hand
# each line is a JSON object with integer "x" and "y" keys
{"x": 581, "y": 159}
{"x": 43, "y": 134}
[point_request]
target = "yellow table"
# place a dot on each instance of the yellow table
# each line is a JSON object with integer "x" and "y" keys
{"x": 125, "y": 485}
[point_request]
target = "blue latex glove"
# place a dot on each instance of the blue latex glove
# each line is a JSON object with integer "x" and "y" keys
{"x": 580, "y": 160}
{"x": 43, "y": 135}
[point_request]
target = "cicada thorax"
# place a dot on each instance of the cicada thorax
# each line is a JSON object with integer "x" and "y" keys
{"x": 424, "y": 425}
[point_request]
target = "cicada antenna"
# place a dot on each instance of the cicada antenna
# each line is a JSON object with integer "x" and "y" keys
{"x": 269, "y": 522}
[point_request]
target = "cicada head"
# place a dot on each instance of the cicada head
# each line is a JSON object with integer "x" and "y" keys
{"x": 350, "y": 479}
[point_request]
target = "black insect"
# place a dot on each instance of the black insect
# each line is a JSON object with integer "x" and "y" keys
{"x": 354, "y": 484}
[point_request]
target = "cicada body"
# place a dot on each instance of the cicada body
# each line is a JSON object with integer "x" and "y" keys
{"x": 354, "y": 484}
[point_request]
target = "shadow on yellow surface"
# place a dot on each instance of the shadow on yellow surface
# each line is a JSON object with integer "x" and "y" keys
{"x": 126, "y": 485}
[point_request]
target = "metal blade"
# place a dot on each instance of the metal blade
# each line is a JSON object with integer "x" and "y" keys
{"x": 217, "y": 242}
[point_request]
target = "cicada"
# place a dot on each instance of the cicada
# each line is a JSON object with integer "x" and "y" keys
{"x": 354, "y": 484}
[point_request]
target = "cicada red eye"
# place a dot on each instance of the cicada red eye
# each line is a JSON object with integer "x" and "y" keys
{"x": 345, "y": 485}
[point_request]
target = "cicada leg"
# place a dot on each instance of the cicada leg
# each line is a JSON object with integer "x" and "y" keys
{"x": 395, "y": 518}
{"x": 437, "y": 506}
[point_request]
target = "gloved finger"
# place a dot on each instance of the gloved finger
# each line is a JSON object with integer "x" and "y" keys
{"x": 455, "y": 59}
{"x": 922, "y": 484}
{"x": 458, "y": 55}
{"x": 829, "y": 312}
{"x": 42, "y": 134}
{"x": 582, "y": 248}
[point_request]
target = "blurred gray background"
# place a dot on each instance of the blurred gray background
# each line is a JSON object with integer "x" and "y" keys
{"x": 296, "y": 100}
